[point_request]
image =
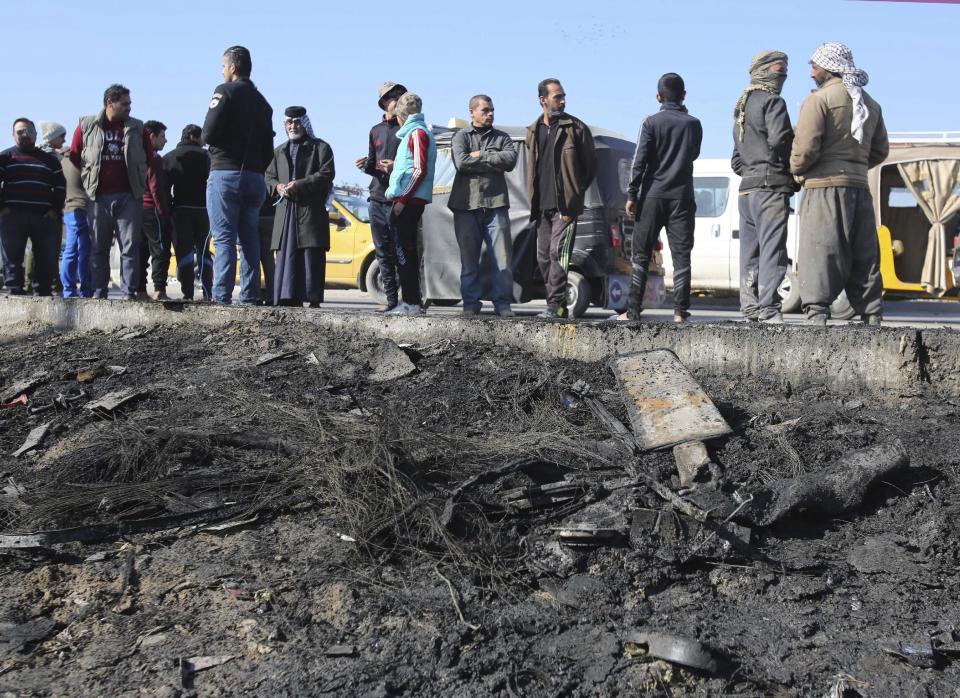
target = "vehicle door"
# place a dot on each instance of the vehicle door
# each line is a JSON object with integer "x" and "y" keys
{"x": 713, "y": 236}
{"x": 340, "y": 258}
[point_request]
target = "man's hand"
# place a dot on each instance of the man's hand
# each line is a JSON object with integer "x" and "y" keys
{"x": 398, "y": 207}
{"x": 632, "y": 209}
{"x": 566, "y": 219}
{"x": 475, "y": 154}
{"x": 291, "y": 189}
{"x": 53, "y": 215}
{"x": 362, "y": 163}
{"x": 385, "y": 166}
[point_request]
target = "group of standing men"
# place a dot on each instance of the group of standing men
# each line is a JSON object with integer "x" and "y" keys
{"x": 112, "y": 183}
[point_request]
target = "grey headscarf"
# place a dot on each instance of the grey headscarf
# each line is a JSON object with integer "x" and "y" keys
{"x": 761, "y": 80}
{"x": 837, "y": 58}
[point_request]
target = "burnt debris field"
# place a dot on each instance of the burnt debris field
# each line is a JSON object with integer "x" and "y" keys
{"x": 266, "y": 509}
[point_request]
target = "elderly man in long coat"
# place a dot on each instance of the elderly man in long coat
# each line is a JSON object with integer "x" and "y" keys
{"x": 300, "y": 178}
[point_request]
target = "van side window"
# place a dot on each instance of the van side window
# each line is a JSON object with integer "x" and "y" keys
{"x": 444, "y": 172}
{"x": 711, "y": 195}
{"x": 624, "y": 167}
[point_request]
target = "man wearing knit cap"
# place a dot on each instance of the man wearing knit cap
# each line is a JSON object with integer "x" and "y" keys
{"x": 75, "y": 257}
{"x": 300, "y": 178}
{"x": 840, "y": 135}
{"x": 378, "y": 163}
{"x": 762, "y": 136}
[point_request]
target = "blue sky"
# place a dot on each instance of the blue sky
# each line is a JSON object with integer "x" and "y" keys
{"x": 331, "y": 57}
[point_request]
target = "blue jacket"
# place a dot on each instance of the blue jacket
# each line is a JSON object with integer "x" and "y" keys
{"x": 404, "y": 167}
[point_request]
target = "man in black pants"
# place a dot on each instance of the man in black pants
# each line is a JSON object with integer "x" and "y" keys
{"x": 378, "y": 163}
{"x": 187, "y": 167}
{"x": 661, "y": 194}
{"x": 156, "y": 238}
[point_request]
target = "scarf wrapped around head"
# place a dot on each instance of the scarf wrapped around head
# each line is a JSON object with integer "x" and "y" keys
{"x": 761, "y": 80}
{"x": 300, "y": 113}
{"x": 837, "y": 58}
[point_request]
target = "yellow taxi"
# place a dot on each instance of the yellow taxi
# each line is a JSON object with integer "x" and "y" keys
{"x": 350, "y": 261}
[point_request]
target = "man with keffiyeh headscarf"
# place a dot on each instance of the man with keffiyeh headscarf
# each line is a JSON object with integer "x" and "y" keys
{"x": 762, "y": 136}
{"x": 840, "y": 135}
{"x": 300, "y": 178}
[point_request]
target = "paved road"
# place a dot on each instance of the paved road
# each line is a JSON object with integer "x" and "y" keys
{"x": 915, "y": 313}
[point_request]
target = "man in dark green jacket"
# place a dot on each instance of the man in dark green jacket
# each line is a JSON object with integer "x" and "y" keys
{"x": 561, "y": 165}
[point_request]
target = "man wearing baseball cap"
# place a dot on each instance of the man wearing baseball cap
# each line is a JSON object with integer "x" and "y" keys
{"x": 378, "y": 163}
{"x": 840, "y": 135}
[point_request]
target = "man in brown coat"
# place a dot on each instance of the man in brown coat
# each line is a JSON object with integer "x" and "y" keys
{"x": 561, "y": 165}
{"x": 839, "y": 136}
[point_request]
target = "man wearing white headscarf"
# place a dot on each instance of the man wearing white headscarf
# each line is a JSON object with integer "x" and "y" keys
{"x": 839, "y": 136}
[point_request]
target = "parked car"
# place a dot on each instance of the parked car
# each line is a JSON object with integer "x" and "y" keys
{"x": 599, "y": 233}
{"x": 350, "y": 261}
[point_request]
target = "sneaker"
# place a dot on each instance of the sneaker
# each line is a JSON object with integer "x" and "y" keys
{"x": 506, "y": 313}
{"x": 161, "y": 295}
{"x": 471, "y": 312}
{"x": 398, "y": 309}
{"x": 873, "y": 320}
{"x": 680, "y": 318}
{"x": 818, "y": 320}
{"x": 619, "y": 317}
{"x": 554, "y": 313}
{"x": 751, "y": 319}
{"x": 415, "y": 309}
{"x": 775, "y": 319}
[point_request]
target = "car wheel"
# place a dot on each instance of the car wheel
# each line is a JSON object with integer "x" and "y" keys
{"x": 374, "y": 287}
{"x": 790, "y": 293}
{"x": 840, "y": 309}
{"x": 579, "y": 293}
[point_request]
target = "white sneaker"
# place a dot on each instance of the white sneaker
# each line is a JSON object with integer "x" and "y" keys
{"x": 414, "y": 309}
{"x": 398, "y": 309}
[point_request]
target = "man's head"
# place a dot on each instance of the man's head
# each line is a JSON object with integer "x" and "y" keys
{"x": 191, "y": 134}
{"x": 835, "y": 60}
{"x": 670, "y": 88}
{"x": 481, "y": 111}
{"x": 553, "y": 100}
{"x": 51, "y": 136}
{"x": 390, "y": 92}
{"x": 408, "y": 105}
{"x": 116, "y": 102}
{"x": 295, "y": 122}
{"x": 157, "y": 133}
{"x": 24, "y": 133}
{"x": 237, "y": 63}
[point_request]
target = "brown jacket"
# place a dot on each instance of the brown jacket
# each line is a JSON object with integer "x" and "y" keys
{"x": 576, "y": 162}
{"x": 825, "y": 153}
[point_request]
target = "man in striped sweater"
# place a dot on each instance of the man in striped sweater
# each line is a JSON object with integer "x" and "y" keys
{"x": 32, "y": 192}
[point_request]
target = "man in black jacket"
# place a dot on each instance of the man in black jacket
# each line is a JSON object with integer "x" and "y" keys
{"x": 762, "y": 137}
{"x": 187, "y": 167}
{"x": 661, "y": 194}
{"x": 378, "y": 163}
{"x": 239, "y": 131}
{"x": 300, "y": 176}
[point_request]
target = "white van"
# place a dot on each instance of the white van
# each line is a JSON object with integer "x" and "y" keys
{"x": 715, "y": 259}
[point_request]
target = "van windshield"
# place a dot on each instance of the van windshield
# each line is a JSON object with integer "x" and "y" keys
{"x": 711, "y": 194}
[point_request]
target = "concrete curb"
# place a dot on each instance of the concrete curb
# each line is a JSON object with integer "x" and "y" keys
{"x": 890, "y": 362}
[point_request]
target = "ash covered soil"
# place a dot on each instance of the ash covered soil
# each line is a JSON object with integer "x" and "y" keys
{"x": 357, "y": 518}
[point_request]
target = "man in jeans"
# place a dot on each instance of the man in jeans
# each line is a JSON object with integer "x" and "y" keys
{"x": 378, "y": 163}
{"x": 155, "y": 239}
{"x": 111, "y": 152}
{"x": 660, "y": 195}
{"x": 480, "y": 205}
{"x": 32, "y": 192}
{"x": 762, "y": 136}
{"x": 239, "y": 131}
{"x": 561, "y": 164}
{"x": 410, "y": 190}
{"x": 186, "y": 168}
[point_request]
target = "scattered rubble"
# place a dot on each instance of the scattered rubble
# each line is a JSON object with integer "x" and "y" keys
{"x": 357, "y": 517}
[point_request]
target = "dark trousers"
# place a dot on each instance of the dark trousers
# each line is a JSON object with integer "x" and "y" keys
{"x": 407, "y": 226}
{"x": 763, "y": 251}
{"x": 678, "y": 217}
{"x": 154, "y": 250}
{"x": 839, "y": 251}
{"x": 385, "y": 247}
{"x": 17, "y": 225}
{"x": 554, "y": 246}
{"x": 191, "y": 229}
